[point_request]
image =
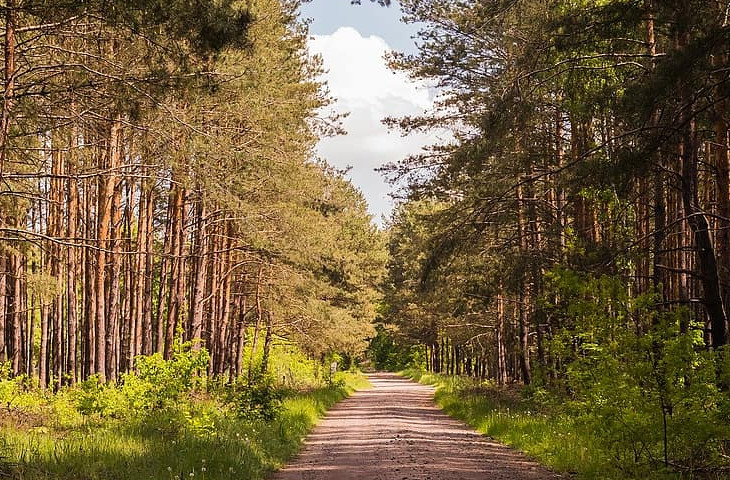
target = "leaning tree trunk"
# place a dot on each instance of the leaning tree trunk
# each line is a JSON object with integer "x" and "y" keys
{"x": 696, "y": 217}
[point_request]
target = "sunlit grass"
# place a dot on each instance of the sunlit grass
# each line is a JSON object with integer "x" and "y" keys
{"x": 542, "y": 432}
{"x": 211, "y": 444}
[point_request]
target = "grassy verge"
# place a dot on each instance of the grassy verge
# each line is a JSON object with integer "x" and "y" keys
{"x": 542, "y": 431}
{"x": 199, "y": 440}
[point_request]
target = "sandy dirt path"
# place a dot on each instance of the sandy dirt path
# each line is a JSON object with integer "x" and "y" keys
{"x": 395, "y": 432}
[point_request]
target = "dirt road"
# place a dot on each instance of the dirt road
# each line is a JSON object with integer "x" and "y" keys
{"x": 395, "y": 432}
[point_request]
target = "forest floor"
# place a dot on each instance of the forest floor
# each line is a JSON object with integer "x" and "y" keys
{"x": 394, "y": 431}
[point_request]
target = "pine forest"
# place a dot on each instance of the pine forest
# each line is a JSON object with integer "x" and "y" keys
{"x": 186, "y": 287}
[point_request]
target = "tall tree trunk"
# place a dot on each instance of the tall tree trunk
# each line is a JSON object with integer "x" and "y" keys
{"x": 128, "y": 321}
{"x": 72, "y": 267}
{"x": 257, "y": 326}
{"x": 525, "y": 292}
{"x": 114, "y": 270}
{"x": 225, "y": 310}
{"x": 3, "y": 304}
{"x": 138, "y": 342}
{"x": 90, "y": 293}
{"x": 501, "y": 349}
{"x": 177, "y": 290}
{"x": 199, "y": 274}
{"x": 26, "y": 329}
{"x": 147, "y": 345}
{"x": 7, "y": 106}
{"x": 166, "y": 280}
{"x": 267, "y": 344}
{"x": 55, "y": 251}
{"x": 721, "y": 154}
{"x": 9, "y": 71}
{"x": 241, "y": 334}
{"x": 105, "y": 197}
{"x": 43, "y": 353}
{"x": 659, "y": 278}
{"x": 17, "y": 339}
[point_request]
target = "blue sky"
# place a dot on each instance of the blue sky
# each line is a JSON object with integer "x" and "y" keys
{"x": 352, "y": 40}
{"x": 368, "y": 18}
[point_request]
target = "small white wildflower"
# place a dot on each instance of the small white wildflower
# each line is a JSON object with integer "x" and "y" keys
{"x": 230, "y": 469}
{"x": 202, "y": 469}
{"x": 192, "y": 474}
{"x": 169, "y": 469}
{"x": 203, "y": 460}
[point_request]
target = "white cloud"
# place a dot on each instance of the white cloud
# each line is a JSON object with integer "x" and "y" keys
{"x": 360, "y": 80}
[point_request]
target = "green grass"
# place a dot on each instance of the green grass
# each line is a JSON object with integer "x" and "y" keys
{"x": 543, "y": 432}
{"x": 196, "y": 441}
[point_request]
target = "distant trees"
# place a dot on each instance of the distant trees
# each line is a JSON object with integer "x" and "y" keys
{"x": 157, "y": 186}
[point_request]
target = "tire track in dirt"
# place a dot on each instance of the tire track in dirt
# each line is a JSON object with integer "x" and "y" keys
{"x": 395, "y": 432}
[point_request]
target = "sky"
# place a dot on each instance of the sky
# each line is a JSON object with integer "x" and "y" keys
{"x": 352, "y": 40}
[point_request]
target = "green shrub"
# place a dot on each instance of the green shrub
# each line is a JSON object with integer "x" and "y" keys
{"x": 258, "y": 399}
{"x": 164, "y": 422}
{"x": 163, "y": 381}
{"x": 641, "y": 381}
{"x": 93, "y": 397}
{"x": 156, "y": 385}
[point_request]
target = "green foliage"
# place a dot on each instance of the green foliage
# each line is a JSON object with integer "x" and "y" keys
{"x": 292, "y": 368}
{"x": 386, "y": 353}
{"x": 125, "y": 432}
{"x": 157, "y": 385}
{"x": 641, "y": 381}
{"x": 95, "y": 397}
{"x": 639, "y": 395}
{"x": 161, "y": 382}
{"x": 257, "y": 399}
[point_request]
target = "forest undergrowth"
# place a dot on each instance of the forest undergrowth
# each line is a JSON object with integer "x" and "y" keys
{"x": 556, "y": 432}
{"x": 166, "y": 421}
